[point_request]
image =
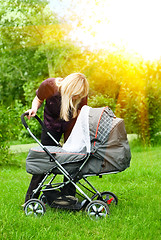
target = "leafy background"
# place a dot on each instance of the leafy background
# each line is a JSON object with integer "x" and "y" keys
{"x": 34, "y": 45}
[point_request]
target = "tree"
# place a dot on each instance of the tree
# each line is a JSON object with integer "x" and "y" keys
{"x": 28, "y": 31}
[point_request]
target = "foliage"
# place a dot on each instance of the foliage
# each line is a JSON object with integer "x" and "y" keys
{"x": 153, "y": 93}
{"x": 4, "y": 135}
{"x": 18, "y": 130}
{"x": 11, "y": 127}
{"x": 101, "y": 100}
{"x": 23, "y": 27}
{"x": 139, "y": 102}
{"x": 34, "y": 46}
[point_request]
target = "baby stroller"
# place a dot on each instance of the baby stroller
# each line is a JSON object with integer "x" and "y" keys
{"x": 98, "y": 145}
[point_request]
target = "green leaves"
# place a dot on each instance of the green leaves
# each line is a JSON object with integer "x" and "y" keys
{"x": 34, "y": 46}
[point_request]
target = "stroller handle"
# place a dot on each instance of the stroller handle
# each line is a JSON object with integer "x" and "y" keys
{"x": 23, "y": 119}
{"x": 37, "y": 118}
{"x": 42, "y": 125}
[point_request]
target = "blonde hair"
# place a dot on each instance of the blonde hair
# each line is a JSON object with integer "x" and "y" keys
{"x": 72, "y": 88}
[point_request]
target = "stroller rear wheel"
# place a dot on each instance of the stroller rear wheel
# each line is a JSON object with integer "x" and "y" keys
{"x": 97, "y": 209}
{"x": 109, "y": 198}
{"x": 34, "y": 207}
{"x": 43, "y": 198}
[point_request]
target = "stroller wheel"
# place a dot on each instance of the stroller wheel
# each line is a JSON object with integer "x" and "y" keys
{"x": 97, "y": 209}
{"x": 109, "y": 198}
{"x": 43, "y": 198}
{"x": 34, "y": 207}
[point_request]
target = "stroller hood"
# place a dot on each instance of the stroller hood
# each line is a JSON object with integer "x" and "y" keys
{"x": 109, "y": 139}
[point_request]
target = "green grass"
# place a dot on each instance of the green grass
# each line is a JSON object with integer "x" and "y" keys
{"x": 137, "y": 215}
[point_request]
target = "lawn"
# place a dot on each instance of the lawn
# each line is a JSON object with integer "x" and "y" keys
{"x": 137, "y": 215}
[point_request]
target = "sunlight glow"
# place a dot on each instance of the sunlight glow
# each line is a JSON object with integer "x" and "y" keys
{"x": 110, "y": 24}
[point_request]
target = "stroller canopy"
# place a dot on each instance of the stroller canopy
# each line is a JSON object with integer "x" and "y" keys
{"x": 79, "y": 139}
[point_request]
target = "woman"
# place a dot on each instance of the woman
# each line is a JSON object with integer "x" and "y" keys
{"x": 64, "y": 99}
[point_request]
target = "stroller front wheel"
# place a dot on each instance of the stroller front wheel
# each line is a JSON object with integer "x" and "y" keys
{"x": 97, "y": 209}
{"x": 34, "y": 207}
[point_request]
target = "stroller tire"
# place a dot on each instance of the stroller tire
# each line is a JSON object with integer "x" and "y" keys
{"x": 97, "y": 209}
{"x": 43, "y": 199}
{"x": 34, "y": 207}
{"x": 109, "y": 198}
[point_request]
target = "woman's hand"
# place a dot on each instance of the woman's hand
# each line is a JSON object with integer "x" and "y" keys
{"x": 31, "y": 113}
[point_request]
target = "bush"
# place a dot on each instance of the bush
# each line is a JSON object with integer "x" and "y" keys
{"x": 101, "y": 100}
{"x": 4, "y": 134}
{"x": 18, "y": 131}
{"x": 11, "y": 128}
{"x": 154, "y": 108}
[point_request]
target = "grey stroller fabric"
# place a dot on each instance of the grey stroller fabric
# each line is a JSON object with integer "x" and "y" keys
{"x": 109, "y": 139}
{"x": 39, "y": 162}
{"x": 109, "y": 149}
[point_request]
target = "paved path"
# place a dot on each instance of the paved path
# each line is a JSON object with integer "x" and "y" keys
{"x": 22, "y": 147}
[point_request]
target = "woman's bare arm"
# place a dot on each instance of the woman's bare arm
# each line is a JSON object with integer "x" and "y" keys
{"x": 36, "y": 104}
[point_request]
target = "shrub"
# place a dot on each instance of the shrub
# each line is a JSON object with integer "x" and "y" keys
{"x": 154, "y": 108}
{"x": 18, "y": 131}
{"x": 141, "y": 110}
{"x": 100, "y": 100}
{"x": 4, "y": 134}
